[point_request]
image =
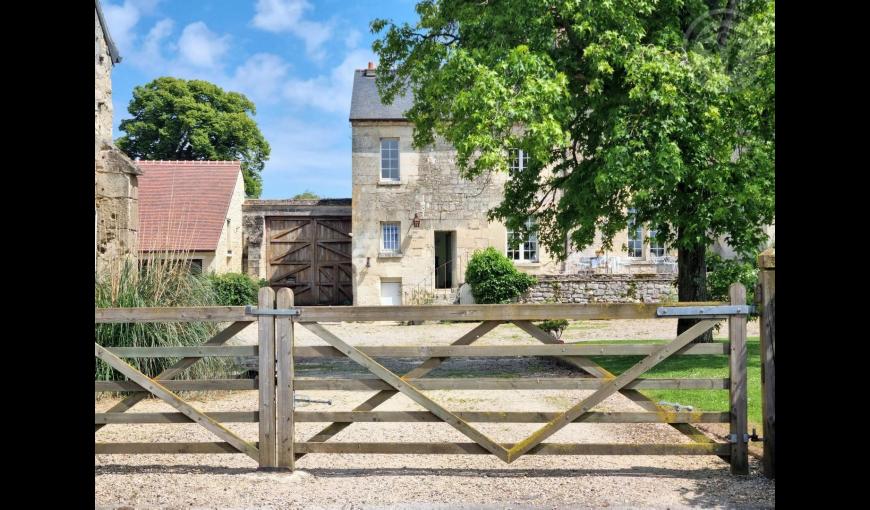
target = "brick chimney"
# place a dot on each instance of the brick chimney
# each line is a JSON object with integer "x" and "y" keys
{"x": 371, "y": 69}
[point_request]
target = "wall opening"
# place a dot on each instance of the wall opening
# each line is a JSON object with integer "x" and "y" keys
{"x": 445, "y": 256}
{"x": 391, "y": 291}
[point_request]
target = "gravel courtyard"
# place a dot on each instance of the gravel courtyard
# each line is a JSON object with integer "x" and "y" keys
{"x": 430, "y": 481}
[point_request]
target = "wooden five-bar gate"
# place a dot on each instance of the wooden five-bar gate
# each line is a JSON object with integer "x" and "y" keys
{"x": 278, "y": 448}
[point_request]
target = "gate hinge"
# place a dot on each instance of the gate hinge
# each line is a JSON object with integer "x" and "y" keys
{"x": 293, "y": 312}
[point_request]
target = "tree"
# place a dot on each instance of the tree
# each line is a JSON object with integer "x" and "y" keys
{"x": 662, "y": 107}
{"x": 195, "y": 120}
{"x": 306, "y": 195}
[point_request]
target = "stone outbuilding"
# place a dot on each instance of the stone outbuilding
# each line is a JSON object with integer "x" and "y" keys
{"x": 115, "y": 176}
{"x": 192, "y": 210}
{"x": 303, "y": 245}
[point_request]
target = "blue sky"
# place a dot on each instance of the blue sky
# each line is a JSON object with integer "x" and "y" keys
{"x": 293, "y": 58}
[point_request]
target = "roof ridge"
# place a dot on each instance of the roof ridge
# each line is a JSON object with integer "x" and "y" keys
{"x": 187, "y": 161}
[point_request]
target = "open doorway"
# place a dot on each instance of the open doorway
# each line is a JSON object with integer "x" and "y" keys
{"x": 445, "y": 253}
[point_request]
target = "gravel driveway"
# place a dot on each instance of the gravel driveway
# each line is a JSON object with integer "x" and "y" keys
{"x": 429, "y": 481}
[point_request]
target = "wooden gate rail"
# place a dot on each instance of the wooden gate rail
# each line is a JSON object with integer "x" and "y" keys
{"x": 276, "y": 416}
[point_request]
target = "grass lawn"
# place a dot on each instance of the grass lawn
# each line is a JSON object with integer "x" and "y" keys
{"x": 697, "y": 367}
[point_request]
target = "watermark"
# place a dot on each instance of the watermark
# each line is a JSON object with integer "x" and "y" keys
{"x": 710, "y": 32}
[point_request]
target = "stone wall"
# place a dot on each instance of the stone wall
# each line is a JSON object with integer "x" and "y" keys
{"x": 603, "y": 288}
{"x": 116, "y": 200}
{"x": 115, "y": 175}
{"x": 255, "y": 212}
{"x": 102, "y": 84}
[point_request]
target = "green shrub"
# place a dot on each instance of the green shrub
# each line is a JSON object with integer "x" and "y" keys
{"x": 164, "y": 284}
{"x": 235, "y": 289}
{"x": 555, "y": 327}
{"x": 722, "y": 273}
{"x": 494, "y": 279}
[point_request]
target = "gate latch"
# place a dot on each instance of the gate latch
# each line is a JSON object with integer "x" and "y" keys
{"x": 293, "y": 312}
{"x": 677, "y": 406}
{"x": 704, "y": 311}
{"x": 732, "y": 438}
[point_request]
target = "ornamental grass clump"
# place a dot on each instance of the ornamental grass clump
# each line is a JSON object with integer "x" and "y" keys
{"x": 159, "y": 283}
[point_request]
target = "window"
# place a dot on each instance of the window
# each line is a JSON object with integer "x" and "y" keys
{"x": 390, "y": 238}
{"x": 635, "y": 237}
{"x": 656, "y": 248}
{"x": 229, "y": 241}
{"x": 389, "y": 159}
{"x": 519, "y": 160}
{"x": 523, "y": 250}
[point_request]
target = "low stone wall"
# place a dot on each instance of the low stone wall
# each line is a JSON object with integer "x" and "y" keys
{"x": 603, "y": 288}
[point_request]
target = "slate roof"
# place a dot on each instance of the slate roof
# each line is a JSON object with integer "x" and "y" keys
{"x": 365, "y": 102}
{"x": 183, "y": 205}
{"x": 113, "y": 50}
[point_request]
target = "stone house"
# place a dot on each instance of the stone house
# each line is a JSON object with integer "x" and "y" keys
{"x": 416, "y": 221}
{"x": 115, "y": 176}
{"x": 192, "y": 210}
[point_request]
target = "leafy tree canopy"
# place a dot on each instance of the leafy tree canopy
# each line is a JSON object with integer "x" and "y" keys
{"x": 306, "y": 195}
{"x": 195, "y": 120}
{"x": 665, "y": 107}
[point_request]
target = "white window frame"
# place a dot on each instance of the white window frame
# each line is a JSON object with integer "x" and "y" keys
{"x": 519, "y": 161}
{"x": 398, "y": 238}
{"x": 655, "y": 245}
{"x": 632, "y": 242}
{"x": 398, "y": 168}
{"x": 518, "y": 255}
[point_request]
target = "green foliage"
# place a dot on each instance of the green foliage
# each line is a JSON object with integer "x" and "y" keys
{"x": 722, "y": 273}
{"x": 555, "y": 327}
{"x": 235, "y": 289}
{"x": 306, "y": 195}
{"x": 711, "y": 366}
{"x": 169, "y": 283}
{"x": 659, "y": 106}
{"x": 494, "y": 278}
{"x": 195, "y": 120}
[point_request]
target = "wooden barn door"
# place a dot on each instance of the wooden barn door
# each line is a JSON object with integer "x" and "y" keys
{"x": 312, "y": 257}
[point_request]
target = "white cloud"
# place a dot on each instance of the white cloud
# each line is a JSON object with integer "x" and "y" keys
{"x": 260, "y": 77}
{"x": 351, "y": 40}
{"x": 201, "y": 47}
{"x": 330, "y": 92}
{"x": 287, "y": 16}
{"x": 307, "y": 155}
{"x": 151, "y": 52}
{"x": 121, "y": 19}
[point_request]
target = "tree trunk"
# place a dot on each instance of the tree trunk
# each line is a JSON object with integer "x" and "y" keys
{"x": 692, "y": 284}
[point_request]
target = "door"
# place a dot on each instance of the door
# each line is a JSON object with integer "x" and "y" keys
{"x": 391, "y": 293}
{"x": 312, "y": 257}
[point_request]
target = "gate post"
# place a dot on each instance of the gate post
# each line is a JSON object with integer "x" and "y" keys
{"x": 767, "y": 283}
{"x": 266, "y": 327}
{"x": 737, "y": 338}
{"x": 284, "y": 396}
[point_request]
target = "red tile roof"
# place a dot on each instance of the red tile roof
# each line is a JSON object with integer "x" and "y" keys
{"x": 183, "y": 204}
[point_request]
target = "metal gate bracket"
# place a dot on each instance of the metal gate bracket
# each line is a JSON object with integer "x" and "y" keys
{"x": 704, "y": 311}
{"x": 293, "y": 312}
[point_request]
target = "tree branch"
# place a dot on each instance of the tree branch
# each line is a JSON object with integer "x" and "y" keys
{"x": 725, "y": 25}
